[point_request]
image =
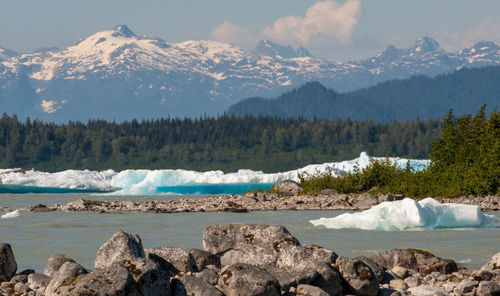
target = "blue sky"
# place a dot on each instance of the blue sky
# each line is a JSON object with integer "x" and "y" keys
{"x": 337, "y": 30}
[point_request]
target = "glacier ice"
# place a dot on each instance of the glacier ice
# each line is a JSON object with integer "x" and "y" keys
{"x": 408, "y": 213}
{"x": 145, "y": 182}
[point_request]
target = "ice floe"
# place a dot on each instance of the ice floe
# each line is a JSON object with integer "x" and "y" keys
{"x": 10, "y": 215}
{"x": 410, "y": 214}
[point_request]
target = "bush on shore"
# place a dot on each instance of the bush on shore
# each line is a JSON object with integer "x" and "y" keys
{"x": 465, "y": 160}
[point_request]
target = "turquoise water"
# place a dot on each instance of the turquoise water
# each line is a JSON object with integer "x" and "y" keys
{"x": 36, "y": 236}
{"x": 235, "y": 188}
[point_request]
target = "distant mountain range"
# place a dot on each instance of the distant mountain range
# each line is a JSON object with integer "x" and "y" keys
{"x": 464, "y": 91}
{"x": 116, "y": 74}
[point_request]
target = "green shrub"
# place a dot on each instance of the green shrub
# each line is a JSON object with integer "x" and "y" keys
{"x": 464, "y": 161}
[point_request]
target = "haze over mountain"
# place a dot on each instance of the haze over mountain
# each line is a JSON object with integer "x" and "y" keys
{"x": 464, "y": 91}
{"x": 115, "y": 74}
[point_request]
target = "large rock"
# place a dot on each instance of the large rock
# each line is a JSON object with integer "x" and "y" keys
{"x": 289, "y": 187}
{"x": 260, "y": 244}
{"x": 208, "y": 275}
{"x": 494, "y": 263}
{"x": 246, "y": 280}
{"x": 55, "y": 262}
{"x": 119, "y": 247}
{"x": 291, "y": 278}
{"x": 308, "y": 290}
{"x": 38, "y": 281}
{"x": 116, "y": 281}
{"x": 422, "y": 261}
{"x": 203, "y": 258}
{"x": 180, "y": 258}
{"x": 329, "y": 279}
{"x": 67, "y": 273}
{"x": 151, "y": 277}
{"x": 375, "y": 268}
{"x": 359, "y": 276}
{"x": 299, "y": 257}
{"x": 193, "y": 286}
{"x": 8, "y": 265}
{"x": 488, "y": 288}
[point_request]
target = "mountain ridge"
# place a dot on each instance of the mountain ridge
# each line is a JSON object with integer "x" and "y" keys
{"x": 419, "y": 97}
{"x": 116, "y": 74}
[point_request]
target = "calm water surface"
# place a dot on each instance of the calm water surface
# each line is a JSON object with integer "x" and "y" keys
{"x": 36, "y": 236}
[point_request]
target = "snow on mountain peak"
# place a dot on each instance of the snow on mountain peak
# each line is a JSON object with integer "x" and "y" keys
{"x": 424, "y": 45}
{"x": 122, "y": 31}
{"x": 272, "y": 49}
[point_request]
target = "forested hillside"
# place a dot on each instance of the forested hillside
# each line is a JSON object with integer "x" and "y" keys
{"x": 464, "y": 91}
{"x": 227, "y": 143}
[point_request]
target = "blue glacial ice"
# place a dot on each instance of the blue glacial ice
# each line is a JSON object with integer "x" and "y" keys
{"x": 144, "y": 182}
{"x": 410, "y": 214}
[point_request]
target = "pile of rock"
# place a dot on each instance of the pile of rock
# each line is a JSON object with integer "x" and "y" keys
{"x": 289, "y": 196}
{"x": 245, "y": 259}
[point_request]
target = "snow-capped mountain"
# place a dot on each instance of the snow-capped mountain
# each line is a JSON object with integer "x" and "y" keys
{"x": 272, "y": 49}
{"x": 115, "y": 74}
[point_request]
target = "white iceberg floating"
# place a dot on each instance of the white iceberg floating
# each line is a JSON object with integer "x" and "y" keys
{"x": 139, "y": 182}
{"x": 10, "y": 215}
{"x": 407, "y": 213}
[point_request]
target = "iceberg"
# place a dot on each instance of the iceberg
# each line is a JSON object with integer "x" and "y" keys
{"x": 147, "y": 182}
{"x": 10, "y": 215}
{"x": 70, "y": 179}
{"x": 408, "y": 214}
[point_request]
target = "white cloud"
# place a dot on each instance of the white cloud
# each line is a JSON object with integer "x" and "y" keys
{"x": 325, "y": 23}
{"x": 230, "y": 33}
{"x": 456, "y": 40}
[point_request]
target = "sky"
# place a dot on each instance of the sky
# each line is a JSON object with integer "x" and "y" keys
{"x": 337, "y": 30}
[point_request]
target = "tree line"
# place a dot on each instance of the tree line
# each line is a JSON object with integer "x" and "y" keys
{"x": 229, "y": 143}
{"x": 465, "y": 160}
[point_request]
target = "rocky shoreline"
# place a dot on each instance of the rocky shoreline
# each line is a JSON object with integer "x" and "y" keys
{"x": 246, "y": 259}
{"x": 326, "y": 200}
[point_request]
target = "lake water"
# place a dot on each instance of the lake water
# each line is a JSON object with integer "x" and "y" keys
{"x": 36, "y": 236}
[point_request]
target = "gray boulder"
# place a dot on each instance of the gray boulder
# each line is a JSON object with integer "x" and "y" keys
{"x": 288, "y": 278}
{"x": 413, "y": 281}
{"x": 67, "y": 273}
{"x": 55, "y": 262}
{"x": 289, "y": 187}
{"x": 245, "y": 280}
{"x": 8, "y": 265}
{"x": 208, "y": 275}
{"x": 260, "y": 244}
{"x": 38, "y": 281}
{"x": 361, "y": 279}
{"x": 465, "y": 286}
{"x": 193, "y": 286}
{"x": 375, "y": 268}
{"x": 488, "y": 288}
{"x": 181, "y": 259}
{"x": 308, "y": 290}
{"x": 482, "y": 275}
{"x": 299, "y": 257}
{"x": 422, "y": 261}
{"x": 119, "y": 247}
{"x": 329, "y": 279}
{"x": 151, "y": 277}
{"x": 203, "y": 258}
{"x": 116, "y": 281}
